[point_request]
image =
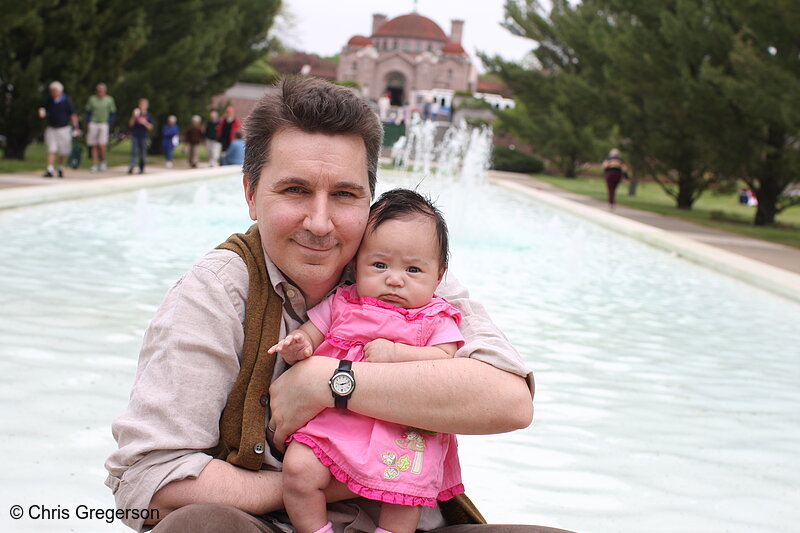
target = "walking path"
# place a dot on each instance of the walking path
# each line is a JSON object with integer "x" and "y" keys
{"x": 773, "y": 254}
{"x": 768, "y": 265}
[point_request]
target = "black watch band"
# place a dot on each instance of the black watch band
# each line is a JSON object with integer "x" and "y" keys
{"x": 342, "y": 384}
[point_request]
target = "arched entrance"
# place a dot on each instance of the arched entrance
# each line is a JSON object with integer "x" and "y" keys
{"x": 395, "y": 88}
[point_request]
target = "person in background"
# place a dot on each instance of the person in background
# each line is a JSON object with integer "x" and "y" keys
{"x": 614, "y": 169}
{"x": 194, "y": 137}
{"x": 213, "y": 146}
{"x": 62, "y": 124}
{"x": 141, "y": 122}
{"x": 234, "y": 155}
{"x": 100, "y": 112}
{"x": 170, "y": 137}
{"x": 227, "y": 128}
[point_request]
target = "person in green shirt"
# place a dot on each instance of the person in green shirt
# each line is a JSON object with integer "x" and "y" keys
{"x": 100, "y": 112}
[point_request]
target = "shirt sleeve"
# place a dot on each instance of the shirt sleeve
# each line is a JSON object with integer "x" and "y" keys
{"x": 446, "y": 331}
{"x": 483, "y": 339}
{"x": 192, "y": 344}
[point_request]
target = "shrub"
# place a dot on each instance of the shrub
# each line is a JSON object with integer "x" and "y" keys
{"x": 510, "y": 160}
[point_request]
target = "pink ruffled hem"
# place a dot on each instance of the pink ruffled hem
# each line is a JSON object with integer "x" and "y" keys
{"x": 370, "y": 493}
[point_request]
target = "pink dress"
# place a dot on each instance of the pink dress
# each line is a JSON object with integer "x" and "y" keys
{"x": 376, "y": 459}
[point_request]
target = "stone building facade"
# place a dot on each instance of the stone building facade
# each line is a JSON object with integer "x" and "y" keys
{"x": 404, "y": 55}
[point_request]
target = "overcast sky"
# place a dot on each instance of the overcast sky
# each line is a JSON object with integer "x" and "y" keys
{"x": 324, "y": 26}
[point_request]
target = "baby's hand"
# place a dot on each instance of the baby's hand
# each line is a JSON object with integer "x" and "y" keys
{"x": 295, "y": 347}
{"x": 379, "y": 351}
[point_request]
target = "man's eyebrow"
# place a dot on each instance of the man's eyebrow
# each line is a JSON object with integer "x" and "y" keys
{"x": 350, "y": 185}
{"x": 347, "y": 185}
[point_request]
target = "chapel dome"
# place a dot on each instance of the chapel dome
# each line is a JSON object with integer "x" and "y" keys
{"x": 413, "y": 26}
{"x": 359, "y": 40}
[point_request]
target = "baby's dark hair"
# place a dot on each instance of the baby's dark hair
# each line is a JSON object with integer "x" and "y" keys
{"x": 403, "y": 203}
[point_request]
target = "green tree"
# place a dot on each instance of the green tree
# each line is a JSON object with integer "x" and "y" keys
{"x": 758, "y": 140}
{"x": 177, "y": 54}
{"x": 558, "y": 110}
{"x": 667, "y": 109}
{"x": 194, "y": 49}
{"x": 45, "y": 40}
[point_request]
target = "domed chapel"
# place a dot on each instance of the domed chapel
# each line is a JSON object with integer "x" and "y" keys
{"x": 406, "y": 54}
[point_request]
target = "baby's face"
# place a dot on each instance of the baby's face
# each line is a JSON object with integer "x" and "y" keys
{"x": 398, "y": 262}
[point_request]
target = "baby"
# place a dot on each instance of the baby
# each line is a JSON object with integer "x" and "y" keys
{"x": 390, "y": 315}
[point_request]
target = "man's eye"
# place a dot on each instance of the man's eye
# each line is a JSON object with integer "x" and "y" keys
{"x": 294, "y": 190}
{"x": 379, "y": 265}
{"x": 413, "y": 270}
{"x": 345, "y": 194}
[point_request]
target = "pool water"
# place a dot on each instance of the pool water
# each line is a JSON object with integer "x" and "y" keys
{"x": 667, "y": 395}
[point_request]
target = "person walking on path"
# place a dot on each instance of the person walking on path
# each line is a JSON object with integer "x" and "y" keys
{"x": 194, "y": 137}
{"x": 100, "y": 112}
{"x": 170, "y": 137}
{"x": 62, "y": 124}
{"x": 141, "y": 122}
{"x": 614, "y": 169}
{"x": 213, "y": 146}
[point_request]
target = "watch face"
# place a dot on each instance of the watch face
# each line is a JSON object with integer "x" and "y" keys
{"x": 342, "y": 384}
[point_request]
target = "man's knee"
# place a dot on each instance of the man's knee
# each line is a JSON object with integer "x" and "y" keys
{"x": 211, "y": 518}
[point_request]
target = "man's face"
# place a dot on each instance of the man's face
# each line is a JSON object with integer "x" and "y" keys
{"x": 101, "y": 90}
{"x": 55, "y": 92}
{"x": 311, "y": 204}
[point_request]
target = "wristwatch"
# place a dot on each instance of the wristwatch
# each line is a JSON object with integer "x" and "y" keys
{"x": 342, "y": 383}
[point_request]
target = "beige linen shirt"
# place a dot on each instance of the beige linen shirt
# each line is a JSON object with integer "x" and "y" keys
{"x": 189, "y": 362}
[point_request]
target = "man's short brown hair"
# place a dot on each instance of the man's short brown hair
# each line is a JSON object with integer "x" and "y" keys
{"x": 311, "y": 105}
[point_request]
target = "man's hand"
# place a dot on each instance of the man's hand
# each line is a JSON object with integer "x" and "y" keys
{"x": 295, "y": 347}
{"x": 298, "y": 394}
{"x": 380, "y": 351}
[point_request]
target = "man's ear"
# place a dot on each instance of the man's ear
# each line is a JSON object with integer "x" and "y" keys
{"x": 250, "y": 197}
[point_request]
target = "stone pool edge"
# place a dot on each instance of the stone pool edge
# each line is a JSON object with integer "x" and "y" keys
{"x": 773, "y": 279}
{"x": 75, "y": 190}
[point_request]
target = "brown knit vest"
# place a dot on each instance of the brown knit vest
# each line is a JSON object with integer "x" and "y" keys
{"x": 241, "y": 427}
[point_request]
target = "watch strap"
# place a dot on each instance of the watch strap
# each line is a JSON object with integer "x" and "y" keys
{"x": 340, "y": 402}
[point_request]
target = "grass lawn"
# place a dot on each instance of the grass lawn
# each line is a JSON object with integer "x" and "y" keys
{"x": 118, "y": 155}
{"x": 720, "y": 211}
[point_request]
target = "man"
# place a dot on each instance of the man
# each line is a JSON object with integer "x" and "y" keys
{"x": 100, "y": 112}
{"x": 62, "y": 123}
{"x": 192, "y": 440}
{"x": 141, "y": 123}
{"x": 213, "y": 146}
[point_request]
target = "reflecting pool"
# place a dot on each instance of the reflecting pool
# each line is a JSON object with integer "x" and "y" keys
{"x": 667, "y": 395}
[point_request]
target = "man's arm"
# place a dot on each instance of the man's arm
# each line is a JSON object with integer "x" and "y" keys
{"x": 485, "y": 389}
{"x": 459, "y": 395}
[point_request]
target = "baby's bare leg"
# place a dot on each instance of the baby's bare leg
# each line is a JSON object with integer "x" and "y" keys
{"x": 304, "y": 483}
{"x": 399, "y": 518}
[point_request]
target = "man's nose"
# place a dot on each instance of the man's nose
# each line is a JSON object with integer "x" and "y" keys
{"x": 318, "y": 219}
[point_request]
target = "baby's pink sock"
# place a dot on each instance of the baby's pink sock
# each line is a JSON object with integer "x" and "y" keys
{"x": 327, "y": 528}
{"x": 381, "y": 530}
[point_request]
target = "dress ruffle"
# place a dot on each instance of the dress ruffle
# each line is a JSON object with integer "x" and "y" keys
{"x": 370, "y": 493}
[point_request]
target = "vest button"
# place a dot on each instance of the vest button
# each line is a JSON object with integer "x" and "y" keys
{"x": 259, "y": 448}
{"x": 264, "y": 400}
